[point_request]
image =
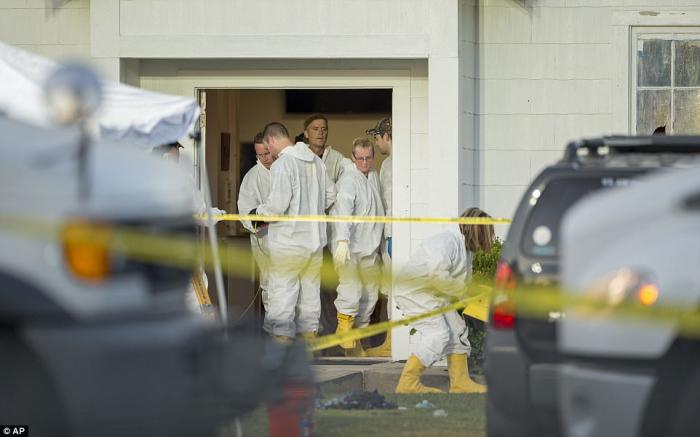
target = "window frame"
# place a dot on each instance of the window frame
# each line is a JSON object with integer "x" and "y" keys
{"x": 642, "y": 33}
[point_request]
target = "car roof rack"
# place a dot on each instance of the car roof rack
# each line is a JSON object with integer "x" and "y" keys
{"x": 619, "y": 144}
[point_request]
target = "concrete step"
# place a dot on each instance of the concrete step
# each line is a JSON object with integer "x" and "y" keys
{"x": 337, "y": 375}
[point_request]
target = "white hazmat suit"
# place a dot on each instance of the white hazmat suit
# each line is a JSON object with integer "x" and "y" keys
{"x": 255, "y": 189}
{"x": 438, "y": 271}
{"x": 299, "y": 186}
{"x": 358, "y": 195}
{"x": 335, "y": 163}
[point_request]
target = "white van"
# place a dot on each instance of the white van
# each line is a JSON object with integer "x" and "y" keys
{"x": 94, "y": 341}
{"x": 639, "y": 244}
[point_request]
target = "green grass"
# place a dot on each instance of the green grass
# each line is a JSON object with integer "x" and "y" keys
{"x": 465, "y": 417}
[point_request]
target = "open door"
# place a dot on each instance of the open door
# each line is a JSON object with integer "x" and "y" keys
{"x": 222, "y": 156}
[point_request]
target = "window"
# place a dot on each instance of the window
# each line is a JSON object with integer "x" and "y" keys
{"x": 667, "y": 81}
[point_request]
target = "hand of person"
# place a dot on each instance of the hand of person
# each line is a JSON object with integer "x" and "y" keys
{"x": 388, "y": 246}
{"x": 216, "y": 214}
{"x": 342, "y": 253}
{"x": 256, "y": 225}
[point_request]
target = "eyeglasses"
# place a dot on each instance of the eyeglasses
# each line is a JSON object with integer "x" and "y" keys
{"x": 365, "y": 159}
{"x": 262, "y": 155}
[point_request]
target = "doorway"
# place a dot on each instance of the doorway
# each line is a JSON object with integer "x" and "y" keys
{"x": 232, "y": 118}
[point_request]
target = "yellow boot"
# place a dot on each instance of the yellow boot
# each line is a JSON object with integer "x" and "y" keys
{"x": 410, "y": 378}
{"x": 460, "y": 382}
{"x": 345, "y": 325}
{"x": 383, "y": 350}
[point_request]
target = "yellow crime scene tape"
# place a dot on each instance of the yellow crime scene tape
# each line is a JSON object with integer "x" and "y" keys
{"x": 534, "y": 302}
{"x": 332, "y": 340}
{"x": 358, "y": 219}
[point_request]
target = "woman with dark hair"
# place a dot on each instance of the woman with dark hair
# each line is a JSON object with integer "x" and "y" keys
{"x": 435, "y": 276}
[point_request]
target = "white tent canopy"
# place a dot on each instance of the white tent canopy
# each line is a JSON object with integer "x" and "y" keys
{"x": 127, "y": 114}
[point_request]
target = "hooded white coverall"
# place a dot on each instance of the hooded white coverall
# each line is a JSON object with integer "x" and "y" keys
{"x": 299, "y": 186}
{"x": 358, "y": 195}
{"x": 255, "y": 189}
{"x": 438, "y": 271}
{"x": 335, "y": 163}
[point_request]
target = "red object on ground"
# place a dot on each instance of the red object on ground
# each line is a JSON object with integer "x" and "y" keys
{"x": 294, "y": 416}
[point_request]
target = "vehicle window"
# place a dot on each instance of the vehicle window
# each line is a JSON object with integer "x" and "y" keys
{"x": 541, "y": 236}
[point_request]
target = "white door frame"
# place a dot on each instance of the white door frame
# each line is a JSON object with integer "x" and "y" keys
{"x": 188, "y": 82}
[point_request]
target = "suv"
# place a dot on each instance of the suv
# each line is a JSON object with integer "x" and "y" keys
{"x": 621, "y": 376}
{"x": 95, "y": 342}
{"x": 522, "y": 361}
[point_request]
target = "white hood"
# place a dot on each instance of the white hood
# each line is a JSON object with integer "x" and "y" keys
{"x": 301, "y": 151}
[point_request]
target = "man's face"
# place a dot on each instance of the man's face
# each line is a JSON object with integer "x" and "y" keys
{"x": 383, "y": 142}
{"x": 317, "y": 133}
{"x": 363, "y": 159}
{"x": 262, "y": 152}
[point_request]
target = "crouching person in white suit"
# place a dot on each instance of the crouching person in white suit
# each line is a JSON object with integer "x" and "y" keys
{"x": 255, "y": 189}
{"x": 357, "y": 245}
{"x": 435, "y": 276}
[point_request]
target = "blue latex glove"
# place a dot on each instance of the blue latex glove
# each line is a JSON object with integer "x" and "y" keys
{"x": 388, "y": 247}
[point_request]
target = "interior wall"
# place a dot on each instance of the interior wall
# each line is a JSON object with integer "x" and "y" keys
{"x": 261, "y": 106}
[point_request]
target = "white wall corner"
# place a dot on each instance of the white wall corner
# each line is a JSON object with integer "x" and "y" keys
{"x": 444, "y": 23}
{"x": 104, "y": 29}
{"x": 443, "y": 130}
{"x": 131, "y": 72}
{"x": 443, "y": 106}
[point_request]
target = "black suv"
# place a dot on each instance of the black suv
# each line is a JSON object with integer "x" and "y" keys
{"x": 521, "y": 353}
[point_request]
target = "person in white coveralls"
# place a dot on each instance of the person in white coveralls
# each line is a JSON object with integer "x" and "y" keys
{"x": 299, "y": 186}
{"x": 316, "y": 135}
{"x": 357, "y": 245}
{"x": 383, "y": 140}
{"x": 435, "y": 276}
{"x": 255, "y": 188}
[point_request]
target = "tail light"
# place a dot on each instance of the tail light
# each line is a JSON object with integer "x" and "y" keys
{"x": 625, "y": 285}
{"x": 503, "y": 315}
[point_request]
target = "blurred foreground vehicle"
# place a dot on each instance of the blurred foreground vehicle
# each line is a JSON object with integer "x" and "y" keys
{"x": 634, "y": 246}
{"x": 95, "y": 340}
{"x": 522, "y": 360}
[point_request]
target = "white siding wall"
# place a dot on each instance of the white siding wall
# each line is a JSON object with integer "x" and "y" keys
{"x": 468, "y": 68}
{"x": 36, "y": 26}
{"x": 353, "y": 31}
{"x": 547, "y": 74}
